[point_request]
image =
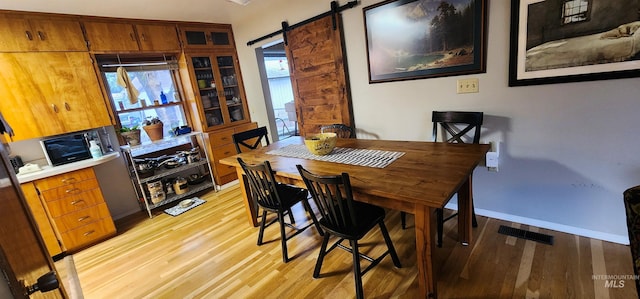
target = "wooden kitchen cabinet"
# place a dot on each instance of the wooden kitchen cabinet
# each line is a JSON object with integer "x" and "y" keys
{"x": 42, "y": 219}
{"x": 156, "y": 37}
{"x": 221, "y": 146}
{"x": 30, "y": 32}
{"x": 75, "y": 208}
{"x": 219, "y": 96}
{"x": 207, "y": 37}
{"x": 50, "y": 93}
{"x": 108, "y": 36}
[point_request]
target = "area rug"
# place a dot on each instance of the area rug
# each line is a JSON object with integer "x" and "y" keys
{"x": 177, "y": 209}
{"x": 352, "y": 156}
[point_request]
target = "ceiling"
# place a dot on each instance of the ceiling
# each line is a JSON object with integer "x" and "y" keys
{"x": 214, "y": 11}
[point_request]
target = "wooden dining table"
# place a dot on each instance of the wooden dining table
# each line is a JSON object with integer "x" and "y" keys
{"x": 424, "y": 178}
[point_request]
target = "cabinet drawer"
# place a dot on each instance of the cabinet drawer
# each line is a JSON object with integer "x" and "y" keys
{"x": 246, "y": 127}
{"x": 220, "y": 153}
{"x": 82, "y": 217}
{"x": 223, "y": 170}
{"x": 223, "y": 151}
{"x": 65, "y": 179}
{"x": 85, "y": 235}
{"x": 221, "y": 137}
{"x": 227, "y": 178}
{"x": 74, "y": 203}
{"x": 70, "y": 190}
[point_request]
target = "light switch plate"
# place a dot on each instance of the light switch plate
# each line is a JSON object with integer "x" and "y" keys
{"x": 468, "y": 85}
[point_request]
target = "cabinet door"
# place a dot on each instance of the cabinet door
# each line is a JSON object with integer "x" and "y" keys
{"x": 158, "y": 37}
{"x": 220, "y": 98}
{"x": 77, "y": 93}
{"x": 16, "y": 34}
{"x": 50, "y": 93}
{"x": 28, "y": 33}
{"x": 107, "y": 36}
{"x": 41, "y": 218}
{"x": 231, "y": 91}
{"x": 207, "y": 86}
{"x": 58, "y": 35}
{"x": 215, "y": 37}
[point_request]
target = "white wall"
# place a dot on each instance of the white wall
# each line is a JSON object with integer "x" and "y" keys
{"x": 567, "y": 150}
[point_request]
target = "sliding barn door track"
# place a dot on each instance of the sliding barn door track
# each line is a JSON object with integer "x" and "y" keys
{"x": 524, "y": 234}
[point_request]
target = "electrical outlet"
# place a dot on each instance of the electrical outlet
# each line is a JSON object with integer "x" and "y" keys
{"x": 467, "y": 85}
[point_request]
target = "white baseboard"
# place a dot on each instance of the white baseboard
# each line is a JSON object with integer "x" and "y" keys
{"x": 620, "y": 239}
{"x": 227, "y": 185}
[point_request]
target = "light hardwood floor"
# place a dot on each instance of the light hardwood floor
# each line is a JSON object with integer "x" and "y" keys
{"x": 211, "y": 252}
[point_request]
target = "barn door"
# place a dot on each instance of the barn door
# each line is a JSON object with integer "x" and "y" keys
{"x": 318, "y": 75}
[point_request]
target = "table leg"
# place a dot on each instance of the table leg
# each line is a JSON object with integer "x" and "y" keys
{"x": 426, "y": 281}
{"x": 246, "y": 195}
{"x": 465, "y": 210}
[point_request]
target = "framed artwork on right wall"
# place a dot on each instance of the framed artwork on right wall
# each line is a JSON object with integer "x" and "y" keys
{"x": 558, "y": 41}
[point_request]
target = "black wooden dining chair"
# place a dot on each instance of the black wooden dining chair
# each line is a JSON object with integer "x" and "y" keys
{"x": 458, "y": 127}
{"x": 345, "y": 218}
{"x": 250, "y": 140}
{"x": 342, "y": 130}
{"x": 279, "y": 198}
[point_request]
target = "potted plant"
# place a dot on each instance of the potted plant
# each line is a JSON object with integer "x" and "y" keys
{"x": 131, "y": 135}
{"x": 154, "y": 128}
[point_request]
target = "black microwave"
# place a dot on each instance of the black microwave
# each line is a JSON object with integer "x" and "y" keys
{"x": 65, "y": 149}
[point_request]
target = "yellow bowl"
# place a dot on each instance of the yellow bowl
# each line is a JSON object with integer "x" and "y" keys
{"x": 321, "y": 144}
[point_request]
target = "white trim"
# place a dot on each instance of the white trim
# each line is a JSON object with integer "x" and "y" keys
{"x": 620, "y": 239}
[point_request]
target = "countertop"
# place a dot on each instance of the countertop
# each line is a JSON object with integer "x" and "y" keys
{"x": 48, "y": 171}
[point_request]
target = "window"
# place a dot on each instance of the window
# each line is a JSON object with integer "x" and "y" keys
{"x": 276, "y": 66}
{"x": 156, "y": 82}
{"x": 574, "y": 11}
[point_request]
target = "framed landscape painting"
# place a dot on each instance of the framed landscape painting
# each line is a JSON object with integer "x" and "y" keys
{"x": 573, "y": 40}
{"x": 416, "y": 39}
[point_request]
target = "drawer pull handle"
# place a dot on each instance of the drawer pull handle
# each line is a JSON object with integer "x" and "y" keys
{"x": 41, "y": 35}
{"x": 75, "y": 202}
{"x": 68, "y": 180}
{"x": 66, "y": 106}
{"x": 89, "y": 233}
{"x": 74, "y": 190}
{"x": 54, "y": 107}
{"x": 83, "y": 218}
{"x": 29, "y": 36}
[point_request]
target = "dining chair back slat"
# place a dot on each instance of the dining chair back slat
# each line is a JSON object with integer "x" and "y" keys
{"x": 341, "y": 130}
{"x": 275, "y": 197}
{"x": 450, "y": 120}
{"x": 250, "y": 140}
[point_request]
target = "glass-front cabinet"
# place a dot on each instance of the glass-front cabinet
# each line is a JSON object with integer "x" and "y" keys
{"x": 207, "y": 37}
{"x": 222, "y": 99}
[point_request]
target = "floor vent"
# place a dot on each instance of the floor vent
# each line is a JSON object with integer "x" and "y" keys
{"x": 527, "y": 235}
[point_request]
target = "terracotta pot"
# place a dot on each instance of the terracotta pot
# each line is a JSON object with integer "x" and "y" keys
{"x": 154, "y": 131}
{"x": 131, "y": 137}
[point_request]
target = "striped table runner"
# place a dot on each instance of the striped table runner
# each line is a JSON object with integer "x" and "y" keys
{"x": 352, "y": 156}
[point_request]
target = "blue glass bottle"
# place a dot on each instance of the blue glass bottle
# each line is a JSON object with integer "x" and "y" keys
{"x": 163, "y": 98}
